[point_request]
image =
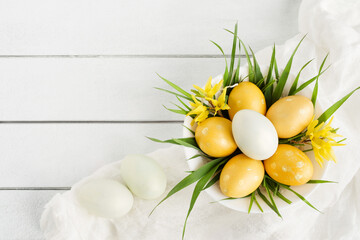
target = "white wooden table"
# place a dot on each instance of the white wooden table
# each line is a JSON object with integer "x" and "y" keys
{"x": 77, "y": 78}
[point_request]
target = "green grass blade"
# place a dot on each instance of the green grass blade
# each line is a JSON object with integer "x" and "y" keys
{"x": 197, "y": 190}
{"x": 268, "y": 85}
{"x": 271, "y": 67}
{"x": 276, "y": 190}
{"x": 174, "y": 93}
{"x": 177, "y": 88}
{"x": 191, "y": 178}
{"x": 277, "y": 75}
{"x": 316, "y": 87}
{"x": 178, "y": 111}
{"x": 185, "y": 105}
{"x": 294, "y": 85}
{"x": 284, "y": 76}
{"x": 330, "y": 111}
{"x": 224, "y": 199}
{"x": 237, "y": 72}
{"x": 308, "y": 150}
{"x": 274, "y": 187}
{"x": 282, "y": 197}
{"x": 271, "y": 198}
{"x": 295, "y": 138}
{"x": 250, "y": 66}
{"x": 251, "y": 201}
{"x": 187, "y": 142}
{"x": 191, "y": 131}
{"x": 260, "y": 84}
{"x": 257, "y": 71}
{"x": 181, "y": 108}
{"x": 196, "y": 156}
{"x": 197, "y": 93}
{"x": 213, "y": 180}
{"x": 266, "y": 200}
{"x": 226, "y": 73}
{"x": 268, "y": 89}
{"x": 319, "y": 181}
{"x": 301, "y": 197}
{"x": 230, "y": 198}
{"x": 305, "y": 84}
{"x": 222, "y": 51}
{"x": 227, "y": 82}
{"x": 257, "y": 203}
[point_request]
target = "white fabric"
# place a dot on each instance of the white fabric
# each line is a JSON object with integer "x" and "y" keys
{"x": 332, "y": 26}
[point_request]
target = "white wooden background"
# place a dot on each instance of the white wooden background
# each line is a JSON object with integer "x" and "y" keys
{"x": 77, "y": 78}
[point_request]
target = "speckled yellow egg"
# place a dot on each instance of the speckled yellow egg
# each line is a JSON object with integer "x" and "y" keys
{"x": 290, "y": 115}
{"x": 214, "y": 137}
{"x": 246, "y": 95}
{"x": 289, "y": 166}
{"x": 241, "y": 176}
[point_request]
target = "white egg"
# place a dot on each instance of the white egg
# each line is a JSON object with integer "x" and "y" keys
{"x": 144, "y": 176}
{"x": 105, "y": 198}
{"x": 254, "y": 134}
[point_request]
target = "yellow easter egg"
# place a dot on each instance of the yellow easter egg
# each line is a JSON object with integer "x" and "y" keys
{"x": 246, "y": 95}
{"x": 214, "y": 137}
{"x": 289, "y": 166}
{"x": 241, "y": 176}
{"x": 291, "y": 115}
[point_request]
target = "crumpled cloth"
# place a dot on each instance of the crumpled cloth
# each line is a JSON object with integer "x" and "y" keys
{"x": 332, "y": 26}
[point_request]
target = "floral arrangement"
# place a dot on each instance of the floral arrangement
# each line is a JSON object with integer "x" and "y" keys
{"x": 221, "y": 113}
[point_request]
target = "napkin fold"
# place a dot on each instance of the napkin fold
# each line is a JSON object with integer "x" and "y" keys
{"x": 332, "y": 26}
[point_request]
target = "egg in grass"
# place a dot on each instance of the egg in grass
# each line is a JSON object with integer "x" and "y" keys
{"x": 205, "y": 172}
{"x": 254, "y": 134}
{"x": 291, "y": 115}
{"x": 214, "y": 137}
{"x": 241, "y": 176}
{"x": 246, "y": 95}
{"x": 289, "y": 165}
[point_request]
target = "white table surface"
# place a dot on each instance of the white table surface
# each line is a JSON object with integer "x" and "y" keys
{"x": 77, "y": 78}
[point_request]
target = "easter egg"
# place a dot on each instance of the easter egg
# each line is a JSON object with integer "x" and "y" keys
{"x": 241, "y": 176}
{"x": 246, "y": 95}
{"x": 289, "y": 166}
{"x": 254, "y": 134}
{"x": 291, "y": 115}
{"x": 144, "y": 176}
{"x": 214, "y": 137}
{"x": 104, "y": 198}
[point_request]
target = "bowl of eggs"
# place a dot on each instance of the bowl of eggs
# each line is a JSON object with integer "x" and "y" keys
{"x": 251, "y": 134}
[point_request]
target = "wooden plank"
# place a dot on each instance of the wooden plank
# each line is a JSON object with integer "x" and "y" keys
{"x": 58, "y": 155}
{"x": 20, "y": 213}
{"x": 57, "y": 27}
{"x": 96, "y": 88}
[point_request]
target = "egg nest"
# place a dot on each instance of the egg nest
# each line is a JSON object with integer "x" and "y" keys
{"x": 254, "y": 132}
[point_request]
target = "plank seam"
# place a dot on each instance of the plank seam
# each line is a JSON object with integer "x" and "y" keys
{"x": 123, "y": 56}
{"x": 93, "y": 122}
{"x": 34, "y": 188}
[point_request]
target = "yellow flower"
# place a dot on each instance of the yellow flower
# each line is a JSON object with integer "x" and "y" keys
{"x": 322, "y": 140}
{"x": 199, "y": 110}
{"x": 219, "y": 104}
{"x": 209, "y": 91}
